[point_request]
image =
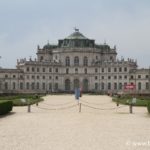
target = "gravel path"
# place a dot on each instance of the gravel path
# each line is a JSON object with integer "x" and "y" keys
{"x": 60, "y": 126}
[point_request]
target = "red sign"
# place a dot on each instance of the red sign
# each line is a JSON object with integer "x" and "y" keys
{"x": 129, "y": 86}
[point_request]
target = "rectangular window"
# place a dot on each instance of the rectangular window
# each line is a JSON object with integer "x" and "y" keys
{"x": 67, "y": 70}
{"x": 115, "y": 69}
{"x": 109, "y": 77}
{"x": 131, "y": 77}
{"x": 50, "y": 86}
{"x": 146, "y": 76}
{"x": 28, "y": 77}
{"x": 125, "y": 69}
{"x": 38, "y": 70}
{"x": 85, "y": 70}
{"x": 28, "y": 69}
{"x": 21, "y": 76}
{"x": 115, "y": 77}
{"x": 139, "y": 76}
{"x": 102, "y": 77}
{"x": 43, "y": 69}
{"x": 76, "y": 70}
{"x": 103, "y": 86}
{"x": 102, "y": 69}
{"x": 6, "y": 76}
{"x": 32, "y": 69}
{"x": 109, "y": 69}
{"x": 120, "y": 69}
{"x": 95, "y": 77}
{"x": 125, "y": 77}
{"x": 56, "y": 70}
{"x": 50, "y": 69}
{"x": 96, "y": 70}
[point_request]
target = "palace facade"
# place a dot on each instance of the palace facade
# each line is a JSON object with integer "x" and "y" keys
{"x": 76, "y": 61}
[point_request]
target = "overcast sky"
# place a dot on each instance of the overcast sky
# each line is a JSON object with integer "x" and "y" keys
{"x": 26, "y": 23}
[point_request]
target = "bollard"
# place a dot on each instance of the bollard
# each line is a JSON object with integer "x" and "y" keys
{"x": 37, "y": 104}
{"x": 79, "y": 107}
{"x": 29, "y": 108}
{"x": 117, "y": 103}
{"x": 130, "y": 107}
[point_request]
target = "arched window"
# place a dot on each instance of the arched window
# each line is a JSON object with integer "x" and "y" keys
{"x": 14, "y": 85}
{"x": 147, "y": 85}
{"x": 43, "y": 86}
{"x": 109, "y": 86}
{"x": 102, "y": 85}
{"x": 67, "y": 85}
{"x": 56, "y": 86}
{"x": 85, "y": 61}
{"x": 139, "y": 86}
{"x": 67, "y": 61}
{"x": 76, "y": 61}
{"x": 21, "y": 86}
{"x": 96, "y": 86}
{"x": 85, "y": 85}
{"x": 37, "y": 85}
{"x": 120, "y": 86}
{"x": 76, "y": 83}
{"x": 115, "y": 86}
{"x": 50, "y": 86}
{"x": 27, "y": 85}
{"x": 32, "y": 85}
{"x": 6, "y": 86}
{"x": 85, "y": 70}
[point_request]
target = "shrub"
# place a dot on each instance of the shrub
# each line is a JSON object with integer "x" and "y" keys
{"x": 148, "y": 107}
{"x": 5, "y": 107}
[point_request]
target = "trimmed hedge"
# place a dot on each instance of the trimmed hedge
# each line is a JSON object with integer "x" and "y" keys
{"x": 5, "y": 107}
{"x": 17, "y": 99}
{"x": 18, "y": 102}
{"x": 148, "y": 107}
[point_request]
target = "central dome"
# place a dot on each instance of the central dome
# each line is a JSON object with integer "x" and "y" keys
{"x": 76, "y": 39}
{"x": 76, "y": 35}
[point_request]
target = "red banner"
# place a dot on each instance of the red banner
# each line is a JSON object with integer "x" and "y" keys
{"x": 129, "y": 86}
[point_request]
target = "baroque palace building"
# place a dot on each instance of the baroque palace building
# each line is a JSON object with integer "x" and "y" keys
{"x": 76, "y": 61}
